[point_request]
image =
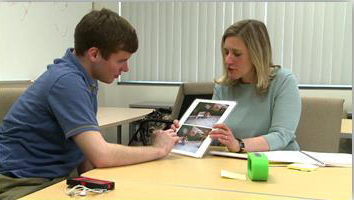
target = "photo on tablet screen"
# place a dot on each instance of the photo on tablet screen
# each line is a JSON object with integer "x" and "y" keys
{"x": 196, "y": 124}
{"x": 191, "y": 137}
{"x": 206, "y": 114}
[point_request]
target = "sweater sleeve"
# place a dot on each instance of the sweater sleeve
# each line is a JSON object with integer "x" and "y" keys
{"x": 285, "y": 115}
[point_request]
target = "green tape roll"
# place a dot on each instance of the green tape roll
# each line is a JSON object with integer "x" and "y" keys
{"x": 257, "y": 166}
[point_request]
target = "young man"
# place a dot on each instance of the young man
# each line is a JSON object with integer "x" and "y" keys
{"x": 52, "y": 129}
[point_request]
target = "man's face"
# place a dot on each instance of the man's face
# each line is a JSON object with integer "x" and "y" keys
{"x": 110, "y": 69}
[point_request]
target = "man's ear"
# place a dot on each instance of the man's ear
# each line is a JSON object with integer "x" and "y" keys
{"x": 93, "y": 54}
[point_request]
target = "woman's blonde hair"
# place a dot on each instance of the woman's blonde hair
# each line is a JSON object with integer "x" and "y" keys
{"x": 255, "y": 36}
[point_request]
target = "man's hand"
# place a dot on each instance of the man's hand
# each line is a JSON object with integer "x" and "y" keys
{"x": 165, "y": 140}
{"x": 175, "y": 125}
{"x": 103, "y": 154}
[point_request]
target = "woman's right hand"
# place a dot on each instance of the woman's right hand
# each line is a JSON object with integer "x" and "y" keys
{"x": 224, "y": 134}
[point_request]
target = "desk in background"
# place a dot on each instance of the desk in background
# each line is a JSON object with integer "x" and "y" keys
{"x": 152, "y": 105}
{"x": 115, "y": 116}
{"x": 346, "y": 128}
{"x": 182, "y": 177}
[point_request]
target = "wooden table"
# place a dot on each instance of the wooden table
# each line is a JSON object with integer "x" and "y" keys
{"x": 115, "y": 117}
{"x": 346, "y": 128}
{"x": 181, "y": 177}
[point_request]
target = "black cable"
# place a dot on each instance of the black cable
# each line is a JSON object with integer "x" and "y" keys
{"x": 144, "y": 130}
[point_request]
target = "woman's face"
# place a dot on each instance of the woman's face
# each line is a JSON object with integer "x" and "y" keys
{"x": 237, "y": 60}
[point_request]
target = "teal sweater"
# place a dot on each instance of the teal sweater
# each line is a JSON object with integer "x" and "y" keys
{"x": 274, "y": 115}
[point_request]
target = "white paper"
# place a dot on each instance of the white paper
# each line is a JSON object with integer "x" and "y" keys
{"x": 229, "y": 154}
{"x": 232, "y": 175}
{"x": 290, "y": 157}
{"x": 315, "y": 158}
{"x": 332, "y": 159}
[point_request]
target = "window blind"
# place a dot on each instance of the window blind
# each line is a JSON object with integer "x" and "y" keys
{"x": 180, "y": 41}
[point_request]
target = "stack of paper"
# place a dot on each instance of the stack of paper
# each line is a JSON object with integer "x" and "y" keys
{"x": 307, "y": 157}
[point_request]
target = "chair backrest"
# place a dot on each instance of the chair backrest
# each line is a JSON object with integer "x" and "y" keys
{"x": 186, "y": 95}
{"x": 320, "y": 124}
{"x": 9, "y": 92}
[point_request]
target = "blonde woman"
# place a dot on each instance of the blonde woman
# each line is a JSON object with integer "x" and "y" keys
{"x": 268, "y": 101}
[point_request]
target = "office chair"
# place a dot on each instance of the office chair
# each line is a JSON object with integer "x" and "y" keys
{"x": 9, "y": 93}
{"x": 320, "y": 124}
{"x": 186, "y": 94}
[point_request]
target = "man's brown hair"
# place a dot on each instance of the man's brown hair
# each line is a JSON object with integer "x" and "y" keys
{"x": 105, "y": 30}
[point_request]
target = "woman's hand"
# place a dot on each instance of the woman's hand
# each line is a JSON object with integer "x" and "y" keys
{"x": 224, "y": 134}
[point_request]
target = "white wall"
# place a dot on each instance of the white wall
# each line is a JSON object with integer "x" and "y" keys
{"x": 345, "y": 94}
{"x": 32, "y": 34}
{"x": 123, "y": 95}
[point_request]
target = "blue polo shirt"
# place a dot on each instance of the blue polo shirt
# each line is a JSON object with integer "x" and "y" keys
{"x": 36, "y": 135}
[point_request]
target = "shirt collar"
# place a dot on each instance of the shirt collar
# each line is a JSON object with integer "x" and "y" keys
{"x": 69, "y": 55}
